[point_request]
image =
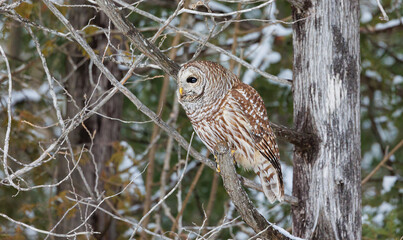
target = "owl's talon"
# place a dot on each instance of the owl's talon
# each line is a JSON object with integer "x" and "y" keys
{"x": 217, "y": 168}
{"x": 233, "y": 156}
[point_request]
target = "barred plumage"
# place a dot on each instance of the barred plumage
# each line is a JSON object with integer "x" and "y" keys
{"x": 222, "y": 108}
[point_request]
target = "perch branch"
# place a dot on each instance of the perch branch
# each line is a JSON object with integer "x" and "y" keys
{"x": 240, "y": 199}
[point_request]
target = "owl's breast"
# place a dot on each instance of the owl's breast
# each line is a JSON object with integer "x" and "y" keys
{"x": 239, "y": 139}
{"x": 231, "y": 128}
{"x": 210, "y": 133}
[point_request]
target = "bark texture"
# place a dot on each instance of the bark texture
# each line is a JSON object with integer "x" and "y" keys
{"x": 327, "y": 104}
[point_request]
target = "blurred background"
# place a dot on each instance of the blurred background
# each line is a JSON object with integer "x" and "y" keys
{"x": 121, "y": 162}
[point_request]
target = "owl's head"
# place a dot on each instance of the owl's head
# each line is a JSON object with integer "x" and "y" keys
{"x": 204, "y": 82}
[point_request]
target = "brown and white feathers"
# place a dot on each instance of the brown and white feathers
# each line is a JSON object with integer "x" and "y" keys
{"x": 222, "y": 108}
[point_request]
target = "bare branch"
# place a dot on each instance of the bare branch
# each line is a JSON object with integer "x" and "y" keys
{"x": 7, "y": 139}
{"x": 170, "y": 192}
{"x": 46, "y": 232}
{"x": 225, "y": 14}
{"x": 302, "y": 140}
{"x": 126, "y": 220}
{"x": 189, "y": 193}
{"x": 202, "y": 40}
{"x": 384, "y": 15}
{"x": 400, "y": 144}
{"x": 147, "y": 48}
{"x": 12, "y": 14}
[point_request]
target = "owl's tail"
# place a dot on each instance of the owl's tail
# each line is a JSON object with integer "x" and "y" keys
{"x": 271, "y": 180}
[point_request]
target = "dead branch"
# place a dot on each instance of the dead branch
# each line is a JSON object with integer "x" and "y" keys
{"x": 300, "y": 139}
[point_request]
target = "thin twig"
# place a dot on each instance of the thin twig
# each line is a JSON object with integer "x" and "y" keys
{"x": 119, "y": 218}
{"x": 46, "y": 232}
{"x": 190, "y": 191}
{"x": 201, "y": 39}
{"x": 385, "y": 158}
{"x": 8, "y": 131}
{"x": 226, "y": 14}
{"x": 384, "y": 15}
{"x": 147, "y": 48}
{"x": 212, "y": 198}
{"x": 169, "y": 194}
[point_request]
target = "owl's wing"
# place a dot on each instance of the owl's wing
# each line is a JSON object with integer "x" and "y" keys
{"x": 267, "y": 164}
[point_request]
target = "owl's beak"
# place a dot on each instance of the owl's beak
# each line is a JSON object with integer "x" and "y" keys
{"x": 181, "y": 91}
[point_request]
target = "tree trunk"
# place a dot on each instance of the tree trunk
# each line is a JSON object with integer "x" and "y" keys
{"x": 327, "y": 103}
{"x": 83, "y": 84}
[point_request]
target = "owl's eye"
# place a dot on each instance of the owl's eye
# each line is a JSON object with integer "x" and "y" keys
{"x": 191, "y": 80}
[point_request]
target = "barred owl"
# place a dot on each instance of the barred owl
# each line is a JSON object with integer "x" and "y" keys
{"x": 223, "y": 109}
